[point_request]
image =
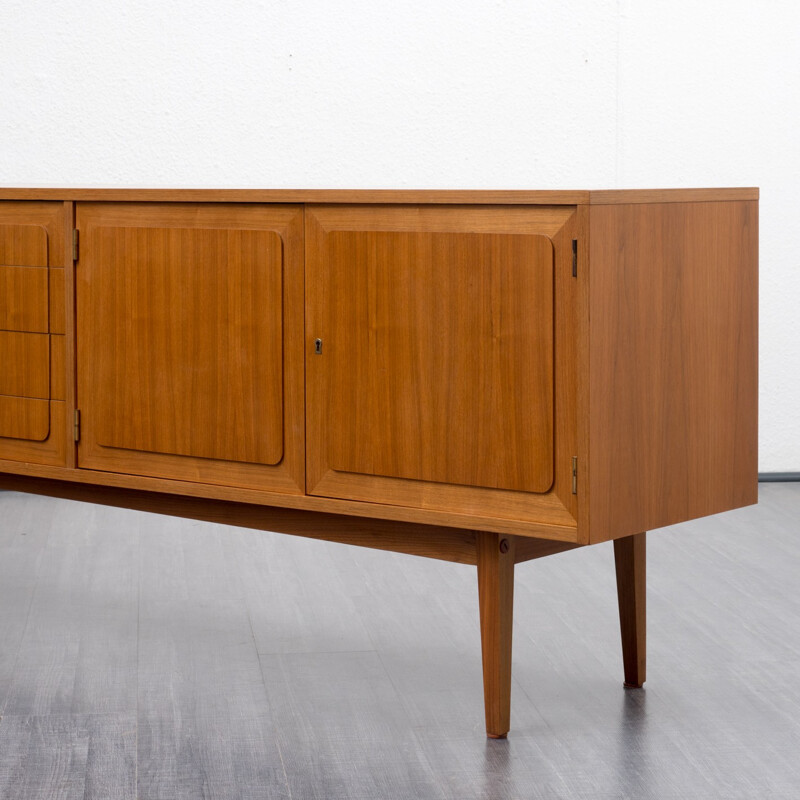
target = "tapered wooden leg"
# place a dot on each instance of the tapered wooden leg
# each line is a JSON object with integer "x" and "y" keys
{"x": 496, "y": 598}
{"x": 629, "y": 555}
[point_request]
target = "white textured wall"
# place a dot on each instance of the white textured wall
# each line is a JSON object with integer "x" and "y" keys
{"x": 434, "y": 94}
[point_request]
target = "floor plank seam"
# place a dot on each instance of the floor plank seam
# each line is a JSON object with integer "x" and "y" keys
{"x": 266, "y": 694}
{"x": 312, "y": 652}
{"x": 27, "y": 621}
{"x": 138, "y": 664}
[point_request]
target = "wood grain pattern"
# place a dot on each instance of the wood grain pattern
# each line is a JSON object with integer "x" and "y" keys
{"x": 630, "y": 557}
{"x": 69, "y": 756}
{"x": 513, "y": 512}
{"x": 33, "y": 431}
{"x": 58, "y": 368}
{"x": 438, "y": 357}
{"x": 21, "y": 473}
{"x": 415, "y": 196}
{"x": 70, "y": 350}
{"x": 23, "y": 299}
{"x": 181, "y": 367}
{"x": 580, "y": 334}
{"x": 567, "y": 377}
{"x": 673, "y": 363}
{"x": 626, "y": 196}
{"x": 323, "y": 383}
{"x": 56, "y": 301}
{"x": 182, "y": 332}
{"x": 26, "y": 456}
{"x": 26, "y": 222}
{"x": 24, "y": 418}
{"x": 25, "y": 360}
{"x": 527, "y": 549}
{"x": 23, "y": 245}
{"x": 496, "y": 602}
{"x": 432, "y": 541}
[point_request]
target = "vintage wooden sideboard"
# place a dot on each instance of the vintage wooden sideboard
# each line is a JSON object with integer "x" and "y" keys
{"x": 485, "y": 377}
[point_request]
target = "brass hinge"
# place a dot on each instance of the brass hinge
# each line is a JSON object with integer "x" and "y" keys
{"x": 76, "y": 430}
{"x": 574, "y": 474}
{"x": 74, "y": 244}
{"x": 574, "y": 258}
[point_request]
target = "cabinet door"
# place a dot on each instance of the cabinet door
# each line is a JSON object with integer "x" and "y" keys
{"x": 435, "y": 382}
{"x": 32, "y": 371}
{"x": 190, "y": 342}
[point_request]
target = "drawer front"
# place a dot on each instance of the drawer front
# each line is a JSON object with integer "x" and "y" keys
{"x": 24, "y": 418}
{"x": 24, "y": 298}
{"x": 23, "y": 244}
{"x": 25, "y": 359}
{"x": 32, "y": 307}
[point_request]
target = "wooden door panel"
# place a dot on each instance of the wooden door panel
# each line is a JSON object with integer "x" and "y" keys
{"x": 181, "y": 341}
{"x": 25, "y": 359}
{"x": 187, "y": 342}
{"x": 440, "y": 357}
{"x": 32, "y": 248}
{"x": 435, "y": 385}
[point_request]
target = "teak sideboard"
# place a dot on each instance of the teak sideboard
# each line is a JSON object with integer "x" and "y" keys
{"x": 485, "y": 377}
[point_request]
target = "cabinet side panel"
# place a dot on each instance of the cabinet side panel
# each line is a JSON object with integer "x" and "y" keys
{"x": 673, "y": 362}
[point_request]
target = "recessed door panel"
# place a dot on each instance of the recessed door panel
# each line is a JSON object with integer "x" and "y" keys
{"x": 434, "y": 381}
{"x": 187, "y": 341}
{"x": 181, "y": 342}
{"x": 440, "y": 354}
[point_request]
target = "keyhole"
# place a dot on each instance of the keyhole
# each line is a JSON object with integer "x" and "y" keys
{"x": 318, "y": 347}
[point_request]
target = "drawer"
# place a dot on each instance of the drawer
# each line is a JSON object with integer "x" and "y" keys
{"x": 33, "y": 246}
{"x": 24, "y": 298}
{"x": 26, "y": 364}
{"x": 23, "y": 245}
{"x": 24, "y": 418}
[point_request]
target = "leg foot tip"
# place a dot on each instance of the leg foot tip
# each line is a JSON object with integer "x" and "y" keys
{"x": 496, "y": 735}
{"x": 627, "y": 685}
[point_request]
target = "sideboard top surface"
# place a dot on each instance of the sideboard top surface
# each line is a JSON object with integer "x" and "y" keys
{"x": 480, "y": 196}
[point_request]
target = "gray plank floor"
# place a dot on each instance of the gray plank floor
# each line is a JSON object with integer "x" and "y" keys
{"x": 155, "y": 658}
